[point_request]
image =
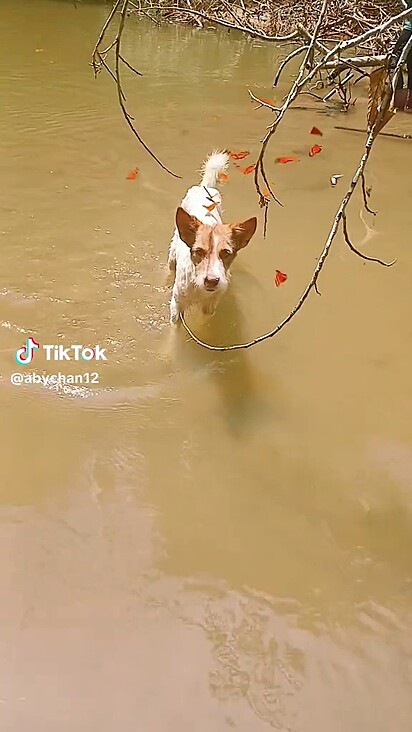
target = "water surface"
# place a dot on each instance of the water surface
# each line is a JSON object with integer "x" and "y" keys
{"x": 200, "y": 541}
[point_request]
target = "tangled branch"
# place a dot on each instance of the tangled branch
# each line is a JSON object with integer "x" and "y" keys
{"x": 382, "y": 110}
{"x": 280, "y": 20}
{"x": 230, "y": 18}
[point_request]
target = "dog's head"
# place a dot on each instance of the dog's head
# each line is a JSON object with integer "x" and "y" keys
{"x": 213, "y": 248}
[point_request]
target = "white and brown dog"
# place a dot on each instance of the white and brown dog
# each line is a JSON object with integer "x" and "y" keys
{"x": 203, "y": 247}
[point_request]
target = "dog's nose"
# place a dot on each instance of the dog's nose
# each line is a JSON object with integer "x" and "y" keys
{"x": 211, "y": 282}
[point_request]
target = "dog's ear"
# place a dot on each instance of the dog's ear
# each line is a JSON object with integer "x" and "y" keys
{"x": 242, "y": 233}
{"x": 187, "y": 226}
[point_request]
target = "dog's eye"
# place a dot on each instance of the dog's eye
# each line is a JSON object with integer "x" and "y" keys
{"x": 225, "y": 253}
{"x": 198, "y": 254}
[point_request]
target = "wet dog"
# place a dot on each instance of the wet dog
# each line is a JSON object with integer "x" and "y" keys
{"x": 203, "y": 247}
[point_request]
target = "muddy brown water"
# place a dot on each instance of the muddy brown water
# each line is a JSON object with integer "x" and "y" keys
{"x": 200, "y": 541}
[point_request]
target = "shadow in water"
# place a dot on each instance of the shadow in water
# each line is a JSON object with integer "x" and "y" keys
{"x": 240, "y": 391}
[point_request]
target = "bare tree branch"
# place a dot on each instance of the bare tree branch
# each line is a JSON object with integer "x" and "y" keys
{"x": 99, "y": 60}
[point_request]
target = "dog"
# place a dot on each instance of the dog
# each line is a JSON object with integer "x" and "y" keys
{"x": 203, "y": 248}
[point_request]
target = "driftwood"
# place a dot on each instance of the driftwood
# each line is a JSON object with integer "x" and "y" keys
{"x": 357, "y": 61}
{"x": 320, "y": 63}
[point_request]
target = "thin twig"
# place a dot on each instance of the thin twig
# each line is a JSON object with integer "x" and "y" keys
{"x": 284, "y": 63}
{"x": 109, "y": 19}
{"x": 109, "y": 71}
{"x": 99, "y": 60}
{"x": 312, "y": 94}
{"x": 130, "y": 66}
{"x": 356, "y": 251}
{"x": 365, "y": 196}
{"x": 381, "y": 134}
{"x": 109, "y": 48}
{"x": 265, "y": 218}
{"x": 263, "y": 103}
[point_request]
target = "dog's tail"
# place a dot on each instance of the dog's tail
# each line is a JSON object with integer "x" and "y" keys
{"x": 213, "y": 167}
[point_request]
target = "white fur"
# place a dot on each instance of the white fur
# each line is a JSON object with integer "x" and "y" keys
{"x": 213, "y": 166}
{"x": 187, "y": 289}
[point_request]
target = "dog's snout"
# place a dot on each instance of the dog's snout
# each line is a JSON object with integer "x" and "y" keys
{"x": 211, "y": 282}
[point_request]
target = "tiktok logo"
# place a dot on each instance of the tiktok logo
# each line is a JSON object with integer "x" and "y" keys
{"x": 25, "y": 354}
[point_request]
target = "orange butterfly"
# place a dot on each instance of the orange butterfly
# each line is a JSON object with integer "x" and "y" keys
{"x": 287, "y": 160}
{"x": 249, "y": 169}
{"x": 239, "y": 155}
{"x": 280, "y": 278}
{"x": 133, "y": 174}
{"x": 314, "y": 150}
